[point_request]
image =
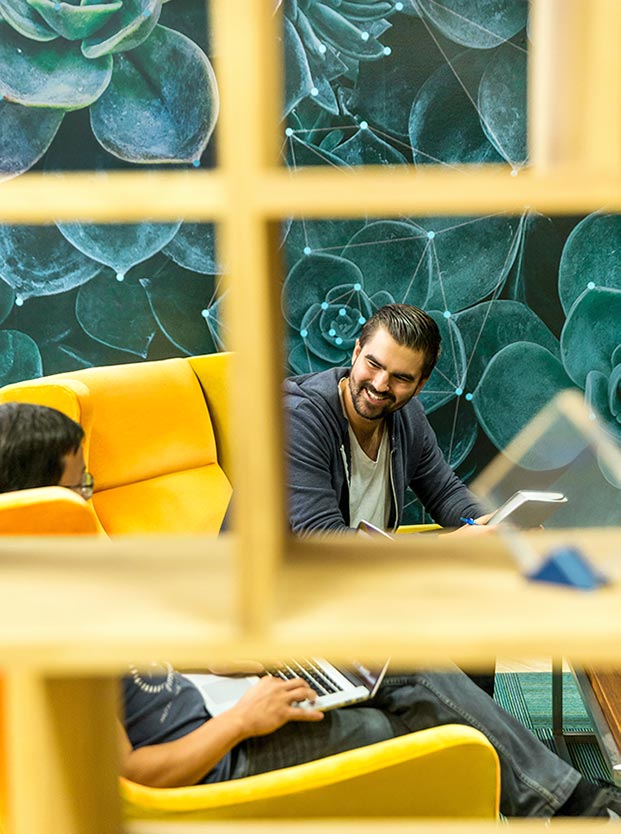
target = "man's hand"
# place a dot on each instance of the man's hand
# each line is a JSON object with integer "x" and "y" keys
{"x": 268, "y": 705}
{"x": 477, "y": 526}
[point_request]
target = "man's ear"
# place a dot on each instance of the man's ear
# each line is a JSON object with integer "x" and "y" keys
{"x": 421, "y": 385}
{"x": 356, "y": 351}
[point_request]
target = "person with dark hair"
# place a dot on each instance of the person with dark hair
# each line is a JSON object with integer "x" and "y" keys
{"x": 358, "y": 437}
{"x": 170, "y": 740}
{"x": 41, "y": 446}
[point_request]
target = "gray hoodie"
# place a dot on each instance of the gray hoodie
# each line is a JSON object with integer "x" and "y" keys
{"x": 319, "y": 460}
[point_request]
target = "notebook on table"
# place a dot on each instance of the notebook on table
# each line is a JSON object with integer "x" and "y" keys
{"x": 336, "y": 686}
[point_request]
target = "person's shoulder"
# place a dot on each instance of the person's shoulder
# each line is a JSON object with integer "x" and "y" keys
{"x": 313, "y": 387}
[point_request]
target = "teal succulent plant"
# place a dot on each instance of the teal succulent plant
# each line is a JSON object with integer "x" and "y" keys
{"x": 325, "y": 39}
{"x": 108, "y": 56}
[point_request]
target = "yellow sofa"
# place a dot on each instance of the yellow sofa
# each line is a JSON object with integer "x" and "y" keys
{"x": 156, "y": 440}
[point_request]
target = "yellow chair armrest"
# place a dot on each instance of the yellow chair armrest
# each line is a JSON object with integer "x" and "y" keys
{"x": 406, "y": 529}
{"x": 46, "y": 511}
{"x": 449, "y": 771}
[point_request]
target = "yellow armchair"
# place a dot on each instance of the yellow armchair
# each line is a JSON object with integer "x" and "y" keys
{"x": 155, "y": 440}
{"x": 449, "y": 771}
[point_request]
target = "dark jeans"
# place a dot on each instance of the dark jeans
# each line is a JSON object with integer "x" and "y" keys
{"x": 534, "y": 781}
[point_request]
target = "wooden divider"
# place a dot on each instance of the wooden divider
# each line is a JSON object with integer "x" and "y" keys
{"x": 61, "y": 772}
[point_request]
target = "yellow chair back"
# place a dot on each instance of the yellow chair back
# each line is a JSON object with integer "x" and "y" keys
{"x": 149, "y": 440}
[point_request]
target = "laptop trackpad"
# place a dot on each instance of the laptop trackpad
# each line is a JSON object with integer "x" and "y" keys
{"x": 219, "y": 692}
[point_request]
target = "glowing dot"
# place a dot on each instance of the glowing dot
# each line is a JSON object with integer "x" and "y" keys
{"x": 387, "y": 50}
{"x": 357, "y": 287}
{"x": 146, "y": 13}
{"x": 19, "y": 301}
{"x": 288, "y": 131}
{"x": 592, "y": 416}
{"x": 314, "y": 91}
{"x": 398, "y": 7}
{"x": 323, "y": 48}
{"x": 342, "y": 311}
{"x": 307, "y": 250}
{"x": 468, "y": 397}
{"x": 57, "y": 6}
{"x": 362, "y": 320}
{"x": 447, "y": 314}
{"x": 303, "y": 333}
{"x": 331, "y": 332}
{"x": 364, "y": 125}
{"x": 459, "y": 391}
{"x": 431, "y": 235}
{"x": 338, "y": 341}
{"x": 205, "y": 314}
{"x": 514, "y": 172}
{"x": 120, "y": 276}
{"x": 196, "y": 163}
{"x": 324, "y": 305}
{"x": 591, "y": 285}
{"x": 364, "y": 36}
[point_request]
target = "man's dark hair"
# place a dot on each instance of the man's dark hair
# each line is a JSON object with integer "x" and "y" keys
{"x": 34, "y": 440}
{"x": 409, "y": 326}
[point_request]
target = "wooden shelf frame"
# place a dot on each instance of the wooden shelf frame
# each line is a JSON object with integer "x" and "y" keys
{"x": 54, "y": 666}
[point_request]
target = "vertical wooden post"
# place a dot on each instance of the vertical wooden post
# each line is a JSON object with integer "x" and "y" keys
{"x": 61, "y": 755}
{"x": 248, "y": 74}
{"x": 574, "y": 101}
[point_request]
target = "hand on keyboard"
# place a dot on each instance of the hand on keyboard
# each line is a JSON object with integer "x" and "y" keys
{"x": 271, "y": 703}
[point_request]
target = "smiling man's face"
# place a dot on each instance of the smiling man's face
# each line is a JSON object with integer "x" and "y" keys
{"x": 384, "y": 376}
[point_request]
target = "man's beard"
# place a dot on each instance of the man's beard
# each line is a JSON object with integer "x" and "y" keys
{"x": 362, "y": 406}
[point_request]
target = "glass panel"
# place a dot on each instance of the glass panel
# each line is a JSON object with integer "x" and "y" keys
{"x": 567, "y": 453}
{"x": 105, "y": 86}
{"x": 397, "y": 82}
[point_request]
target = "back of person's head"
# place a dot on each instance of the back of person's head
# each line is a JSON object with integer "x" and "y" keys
{"x": 34, "y": 440}
{"x": 408, "y": 326}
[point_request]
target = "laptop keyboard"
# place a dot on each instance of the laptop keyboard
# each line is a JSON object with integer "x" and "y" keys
{"x": 314, "y": 676}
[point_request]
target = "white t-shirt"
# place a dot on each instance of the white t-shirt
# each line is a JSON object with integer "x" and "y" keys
{"x": 369, "y": 494}
{"x": 369, "y": 480}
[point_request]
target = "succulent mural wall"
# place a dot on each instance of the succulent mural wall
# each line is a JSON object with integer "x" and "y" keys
{"x": 527, "y": 305}
{"x": 102, "y": 86}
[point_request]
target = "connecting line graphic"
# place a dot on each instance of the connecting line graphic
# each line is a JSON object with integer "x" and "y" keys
{"x": 496, "y": 292}
{"x": 476, "y": 25}
{"x": 516, "y": 166}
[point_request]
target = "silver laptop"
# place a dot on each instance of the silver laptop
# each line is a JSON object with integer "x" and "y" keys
{"x": 365, "y": 528}
{"x": 335, "y": 686}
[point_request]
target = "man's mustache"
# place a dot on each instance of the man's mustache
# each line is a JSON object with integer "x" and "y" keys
{"x": 385, "y": 394}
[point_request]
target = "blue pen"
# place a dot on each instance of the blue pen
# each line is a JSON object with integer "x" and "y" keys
{"x": 469, "y": 521}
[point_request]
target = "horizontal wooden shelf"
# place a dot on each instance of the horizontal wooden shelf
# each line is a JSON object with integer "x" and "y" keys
{"x": 68, "y": 605}
{"x": 432, "y": 597}
{"x": 125, "y": 196}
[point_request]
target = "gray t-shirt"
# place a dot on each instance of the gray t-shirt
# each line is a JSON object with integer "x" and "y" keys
{"x": 161, "y": 705}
